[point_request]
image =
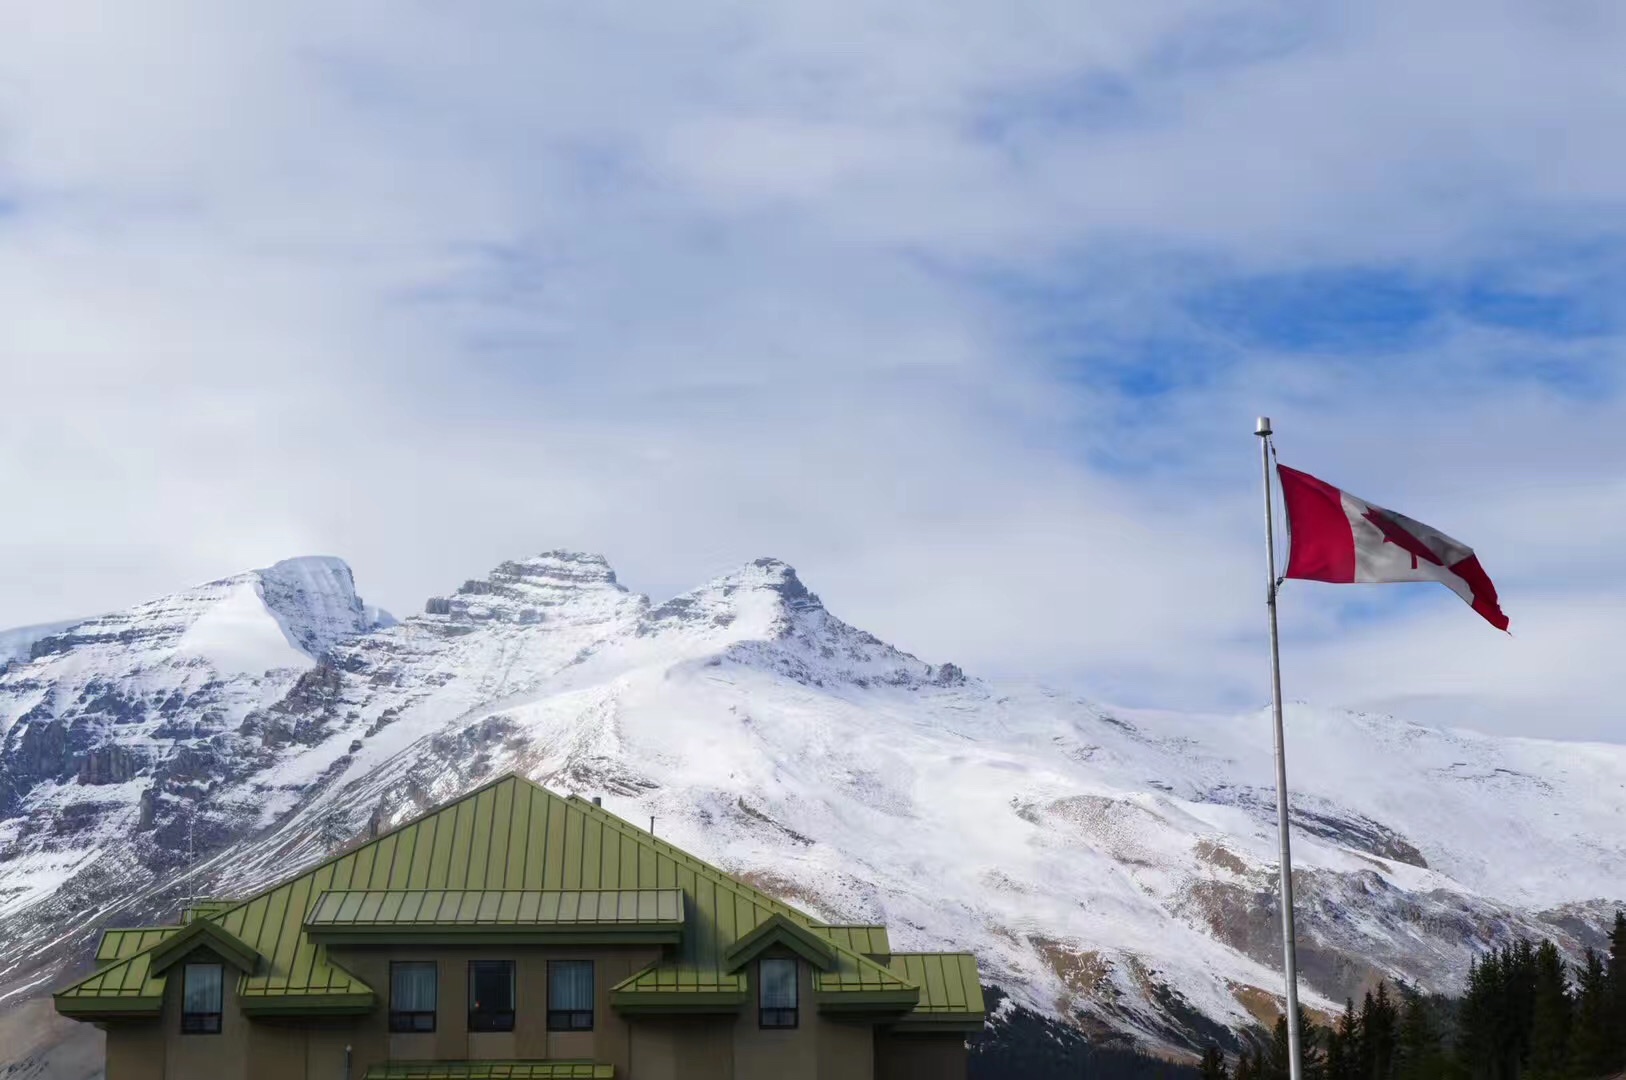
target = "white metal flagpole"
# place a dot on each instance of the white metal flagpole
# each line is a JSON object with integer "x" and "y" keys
{"x": 1290, "y": 967}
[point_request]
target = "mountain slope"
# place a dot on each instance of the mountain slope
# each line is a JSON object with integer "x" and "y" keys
{"x": 1113, "y": 867}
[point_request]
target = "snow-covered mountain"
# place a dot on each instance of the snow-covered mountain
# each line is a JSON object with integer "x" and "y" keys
{"x": 1110, "y": 866}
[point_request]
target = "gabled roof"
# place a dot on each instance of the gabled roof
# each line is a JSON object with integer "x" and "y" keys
{"x": 204, "y": 934}
{"x": 509, "y": 838}
{"x": 778, "y": 930}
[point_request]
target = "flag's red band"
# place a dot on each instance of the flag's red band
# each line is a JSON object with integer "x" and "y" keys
{"x": 1322, "y": 544}
{"x": 1485, "y": 600}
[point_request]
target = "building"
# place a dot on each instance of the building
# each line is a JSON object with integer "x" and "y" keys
{"x": 516, "y": 933}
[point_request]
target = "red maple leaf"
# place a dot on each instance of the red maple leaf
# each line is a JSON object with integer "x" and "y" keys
{"x": 1394, "y": 533}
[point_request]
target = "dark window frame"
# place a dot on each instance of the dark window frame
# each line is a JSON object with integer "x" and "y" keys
{"x": 203, "y": 1023}
{"x": 481, "y": 1020}
{"x": 572, "y": 1019}
{"x": 410, "y": 1021}
{"x": 779, "y": 1018}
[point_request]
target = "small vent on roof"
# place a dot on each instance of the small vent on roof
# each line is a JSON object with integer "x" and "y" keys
{"x": 597, "y": 801}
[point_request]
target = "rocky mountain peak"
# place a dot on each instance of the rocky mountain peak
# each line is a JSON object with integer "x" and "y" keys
{"x": 521, "y": 590}
{"x": 759, "y": 600}
{"x": 314, "y": 599}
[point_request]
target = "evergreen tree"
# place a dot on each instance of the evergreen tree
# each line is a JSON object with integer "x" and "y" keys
{"x": 1213, "y": 1064}
{"x": 1483, "y": 1019}
{"x": 1246, "y": 1067}
{"x": 1617, "y": 990}
{"x": 1519, "y": 975}
{"x": 1591, "y": 1045}
{"x": 1548, "y": 1057}
{"x": 1379, "y": 1024}
{"x": 1419, "y": 1054}
{"x": 1343, "y": 1046}
{"x": 1274, "y": 1062}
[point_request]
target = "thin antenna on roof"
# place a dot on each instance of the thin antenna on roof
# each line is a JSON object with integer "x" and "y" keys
{"x": 191, "y": 849}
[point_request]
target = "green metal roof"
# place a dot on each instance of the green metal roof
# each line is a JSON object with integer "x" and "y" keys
{"x": 868, "y": 941}
{"x": 950, "y": 989}
{"x": 509, "y": 837}
{"x": 125, "y": 986}
{"x": 491, "y": 1070}
{"x": 462, "y": 915}
{"x": 121, "y": 943}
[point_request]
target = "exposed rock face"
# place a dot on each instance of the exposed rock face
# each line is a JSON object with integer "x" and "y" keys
{"x": 1113, "y": 870}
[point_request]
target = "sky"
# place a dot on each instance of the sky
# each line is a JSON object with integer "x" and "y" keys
{"x": 966, "y": 310}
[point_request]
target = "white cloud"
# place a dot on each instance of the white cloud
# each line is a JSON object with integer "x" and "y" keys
{"x": 693, "y": 284}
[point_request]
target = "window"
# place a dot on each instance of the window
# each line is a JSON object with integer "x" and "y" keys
{"x": 201, "y": 999}
{"x": 412, "y": 995}
{"x": 776, "y": 992}
{"x": 570, "y": 995}
{"x": 491, "y": 995}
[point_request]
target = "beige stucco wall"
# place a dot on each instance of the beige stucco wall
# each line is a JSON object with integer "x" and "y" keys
{"x": 923, "y": 1056}
{"x": 608, "y": 1041}
{"x": 682, "y": 1048}
{"x": 187, "y": 1057}
{"x": 846, "y": 1050}
{"x": 778, "y": 1053}
{"x": 135, "y": 1051}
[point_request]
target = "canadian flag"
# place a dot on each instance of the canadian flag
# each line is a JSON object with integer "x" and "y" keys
{"x": 1336, "y": 537}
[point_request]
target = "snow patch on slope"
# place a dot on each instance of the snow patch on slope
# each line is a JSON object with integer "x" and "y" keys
{"x": 239, "y": 635}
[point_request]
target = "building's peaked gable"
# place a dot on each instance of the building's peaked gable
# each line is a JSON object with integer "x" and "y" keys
{"x": 204, "y": 934}
{"x": 776, "y": 930}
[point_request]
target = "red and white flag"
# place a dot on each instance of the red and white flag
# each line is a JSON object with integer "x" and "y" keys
{"x": 1336, "y": 537}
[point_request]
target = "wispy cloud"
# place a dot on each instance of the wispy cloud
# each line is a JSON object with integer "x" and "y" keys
{"x": 964, "y": 309}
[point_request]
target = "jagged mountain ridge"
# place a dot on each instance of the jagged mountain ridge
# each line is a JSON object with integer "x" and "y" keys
{"x": 1113, "y": 867}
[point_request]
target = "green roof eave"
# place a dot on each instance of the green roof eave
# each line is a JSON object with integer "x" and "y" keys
{"x": 900, "y": 999}
{"x": 203, "y": 933}
{"x": 307, "y": 1004}
{"x": 635, "y": 1002}
{"x": 94, "y": 1007}
{"x": 965, "y": 1022}
{"x": 778, "y": 930}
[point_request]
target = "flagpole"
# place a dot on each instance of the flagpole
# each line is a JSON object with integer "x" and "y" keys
{"x": 1290, "y": 969}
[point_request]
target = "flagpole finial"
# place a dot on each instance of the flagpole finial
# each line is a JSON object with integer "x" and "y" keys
{"x": 1262, "y": 427}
